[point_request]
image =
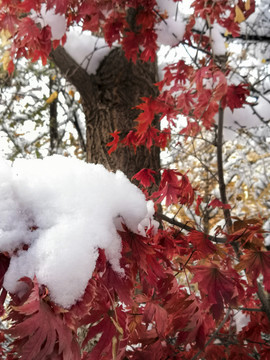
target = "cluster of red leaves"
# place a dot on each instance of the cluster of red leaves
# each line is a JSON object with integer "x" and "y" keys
{"x": 180, "y": 291}
{"x": 194, "y": 93}
{"x": 148, "y": 313}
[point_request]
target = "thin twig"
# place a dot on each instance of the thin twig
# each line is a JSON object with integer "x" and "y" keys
{"x": 214, "y": 333}
{"x": 189, "y": 228}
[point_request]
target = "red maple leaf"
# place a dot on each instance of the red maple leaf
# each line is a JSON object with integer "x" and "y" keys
{"x": 142, "y": 255}
{"x": 191, "y": 321}
{"x": 236, "y": 96}
{"x": 131, "y": 140}
{"x": 114, "y": 142}
{"x": 149, "y": 108}
{"x": 201, "y": 243}
{"x": 8, "y": 22}
{"x": 175, "y": 187}
{"x": 220, "y": 286}
{"x": 217, "y": 203}
{"x": 198, "y": 203}
{"x": 40, "y": 333}
{"x": 130, "y": 44}
{"x": 150, "y": 136}
{"x": 60, "y": 6}
{"x": 113, "y": 27}
{"x": 158, "y": 316}
{"x": 111, "y": 329}
{"x": 192, "y": 129}
{"x": 145, "y": 177}
{"x": 256, "y": 262}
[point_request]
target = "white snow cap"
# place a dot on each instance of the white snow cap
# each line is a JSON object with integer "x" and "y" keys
{"x": 86, "y": 49}
{"x": 74, "y": 206}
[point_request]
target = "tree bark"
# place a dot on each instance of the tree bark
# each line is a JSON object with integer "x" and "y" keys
{"x": 108, "y": 100}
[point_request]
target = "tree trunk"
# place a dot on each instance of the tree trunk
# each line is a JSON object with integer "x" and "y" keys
{"x": 108, "y": 100}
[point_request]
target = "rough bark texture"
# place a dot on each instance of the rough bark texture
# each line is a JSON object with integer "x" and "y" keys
{"x": 108, "y": 100}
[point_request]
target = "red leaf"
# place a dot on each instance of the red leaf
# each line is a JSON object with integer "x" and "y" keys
{"x": 149, "y": 109}
{"x": 149, "y": 137}
{"x": 39, "y": 332}
{"x": 113, "y": 26}
{"x": 236, "y": 96}
{"x": 60, "y": 6}
{"x": 220, "y": 286}
{"x": 145, "y": 177}
{"x": 8, "y": 22}
{"x": 130, "y": 43}
{"x": 217, "y": 203}
{"x": 154, "y": 313}
{"x": 201, "y": 243}
{"x": 256, "y": 262}
{"x": 112, "y": 329}
{"x": 114, "y": 142}
{"x": 198, "y": 203}
{"x": 131, "y": 140}
{"x": 175, "y": 187}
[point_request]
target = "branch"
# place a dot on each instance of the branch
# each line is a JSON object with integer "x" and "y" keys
{"x": 264, "y": 301}
{"x": 222, "y": 186}
{"x": 221, "y": 182}
{"x": 74, "y": 73}
{"x": 189, "y": 228}
{"x": 245, "y": 37}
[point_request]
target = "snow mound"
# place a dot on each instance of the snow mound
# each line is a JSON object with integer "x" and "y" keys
{"x": 64, "y": 210}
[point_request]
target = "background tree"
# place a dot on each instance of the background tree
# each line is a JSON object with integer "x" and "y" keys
{"x": 191, "y": 291}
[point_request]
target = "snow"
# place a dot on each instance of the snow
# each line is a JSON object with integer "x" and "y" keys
{"x": 170, "y": 31}
{"x": 57, "y": 22}
{"x": 218, "y": 41}
{"x": 241, "y": 320}
{"x": 75, "y": 207}
{"x": 86, "y": 49}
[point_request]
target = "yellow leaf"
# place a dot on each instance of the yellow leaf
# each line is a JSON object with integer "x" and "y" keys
{"x": 53, "y": 96}
{"x": 71, "y": 93}
{"x": 226, "y": 45}
{"x": 4, "y": 36}
{"x": 5, "y": 60}
{"x": 263, "y": 61}
{"x": 53, "y": 77}
{"x": 239, "y": 16}
{"x": 227, "y": 33}
{"x": 247, "y": 5}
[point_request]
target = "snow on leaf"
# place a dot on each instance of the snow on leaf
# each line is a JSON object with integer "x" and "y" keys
{"x": 40, "y": 333}
{"x": 142, "y": 255}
